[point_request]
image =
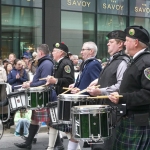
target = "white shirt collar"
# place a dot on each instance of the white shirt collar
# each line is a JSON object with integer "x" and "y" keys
{"x": 59, "y": 59}
{"x": 139, "y": 52}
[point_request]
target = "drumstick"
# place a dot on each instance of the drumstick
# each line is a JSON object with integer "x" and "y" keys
{"x": 42, "y": 78}
{"x": 104, "y": 96}
{"x": 67, "y": 91}
{"x": 86, "y": 89}
{"x": 65, "y": 88}
{"x": 18, "y": 85}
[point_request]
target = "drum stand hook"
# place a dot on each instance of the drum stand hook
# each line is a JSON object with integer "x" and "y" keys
{"x": 98, "y": 140}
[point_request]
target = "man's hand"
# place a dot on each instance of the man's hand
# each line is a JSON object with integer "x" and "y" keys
{"x": 94, "y": 91}
{"x": 26, "y": 84}
{"x": 71, "y": 85}
{"x": 114, "y": 97}
{"x": 75, "y": 90}
{"x": 51, "y": 80}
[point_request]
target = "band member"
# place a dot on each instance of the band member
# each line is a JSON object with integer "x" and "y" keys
{"x": 89, "y": 71}
{"x": 134, "y": 129}
{"x": 63, "y": 77}
{"x": 45, "y": 68}
{"x": 111, "y": 76}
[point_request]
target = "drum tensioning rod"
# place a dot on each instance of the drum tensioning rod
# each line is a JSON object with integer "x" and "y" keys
{"x": 107, "y": 125}
{"x": 36, "y": 99}
{"x": 89, "y": 124}
{"x": 80, "y": 125}
{"x": 100, "y": 128}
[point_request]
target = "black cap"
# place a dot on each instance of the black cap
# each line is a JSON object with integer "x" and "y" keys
{"x": 61, "y": 46}
{"x": 117, "y": 34}
{"x": 138, "y": 32}
{"x": 25, "y": 56}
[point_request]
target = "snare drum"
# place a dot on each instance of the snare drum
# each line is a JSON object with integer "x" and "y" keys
{"x": 91, "y": 122}
{"x": 53, "y": 112}
{"x": 18, "y": 100}
{"x": 38, "y": 97}
{"x": 66, "y": 102}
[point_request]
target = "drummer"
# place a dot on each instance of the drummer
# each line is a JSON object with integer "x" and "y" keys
{"x": 63, "y": 77}
{"x": 90, "y": 70}
{"x": 111, "y": 76}
{"x": 45, "y": 68}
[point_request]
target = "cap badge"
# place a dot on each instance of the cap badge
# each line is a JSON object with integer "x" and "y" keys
{"x": 57, "y": 44}
{"x": 131, "y": 32}
{"x": 115, "y": 34}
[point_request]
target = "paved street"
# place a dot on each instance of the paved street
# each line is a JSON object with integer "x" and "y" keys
{"x": 8, "y": 140}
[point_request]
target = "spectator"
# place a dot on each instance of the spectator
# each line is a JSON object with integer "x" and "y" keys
{"x": 22, "y": 120}
{"x": 5, "y": 62}
{"x": 11, "y": 58}
{"x": 9, "y": 67}
{"x": 25, "y": 59}
{"x": 3, "y": 76}
{"x": 17, "y": 75}
{"x": 27, "y": 53}
{"x": 75, "y": 59}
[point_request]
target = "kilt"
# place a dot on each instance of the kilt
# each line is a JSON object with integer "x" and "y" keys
{"x": 41, "y": 115}
{"x": 131, "y": 137}
{"x": 62, "y": 127}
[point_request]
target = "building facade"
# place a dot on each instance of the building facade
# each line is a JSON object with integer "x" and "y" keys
{"x": 27, "y": 23}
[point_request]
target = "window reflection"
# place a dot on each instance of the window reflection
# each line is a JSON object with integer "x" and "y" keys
{"x": 77, "y": 28}
{"x": 21, "y": 29}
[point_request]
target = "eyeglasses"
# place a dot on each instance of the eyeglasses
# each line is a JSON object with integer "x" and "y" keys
{"x": 85, "y": 49}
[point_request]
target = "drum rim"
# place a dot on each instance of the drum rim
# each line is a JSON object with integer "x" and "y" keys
{"x": 72, "y": 96}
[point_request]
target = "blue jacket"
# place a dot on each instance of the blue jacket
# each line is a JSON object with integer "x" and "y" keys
{"x": 45, "y": 68}
{"x": 90, "y": 70}
{"x": 11, "y": 78}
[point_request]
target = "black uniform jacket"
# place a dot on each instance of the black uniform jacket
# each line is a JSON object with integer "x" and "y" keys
{"x": 64, "y": 72}
{"x": 135, "y": 86}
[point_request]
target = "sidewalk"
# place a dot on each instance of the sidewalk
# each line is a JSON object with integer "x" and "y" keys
{"x": 8, "y": 140}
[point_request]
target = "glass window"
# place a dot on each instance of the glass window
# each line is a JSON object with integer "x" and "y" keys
{"x": 30, "y": 3}
{"x": 106, "y": 24}
{"x": 77, "y": 28}
{"x": 21, "y": 29}
{"x": 141, "y": 22}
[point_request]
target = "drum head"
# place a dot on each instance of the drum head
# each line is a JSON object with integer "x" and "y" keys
{"x": 72, "y": 96}
{"x": 1, "y": 129}
{"x": 36, "y": 89}
{"x": 90, "y": 108}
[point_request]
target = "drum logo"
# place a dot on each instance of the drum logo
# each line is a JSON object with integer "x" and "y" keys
{"x": 18, "y": 100}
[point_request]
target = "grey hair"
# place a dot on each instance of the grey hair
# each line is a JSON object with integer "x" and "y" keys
{"x": 91, "y": 45}
{"x": 75, "y": 56}
{"x": 143, "y": 44}
{"x": 44, "y": 48}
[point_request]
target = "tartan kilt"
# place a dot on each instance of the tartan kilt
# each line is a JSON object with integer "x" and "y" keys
{"x": 131, "y": 137}
{"x": 62, "y": 127}
{"x": 41, "y": 115}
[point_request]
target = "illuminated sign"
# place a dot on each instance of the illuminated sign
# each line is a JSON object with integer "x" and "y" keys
{"x": 119, "y": 7}
{"x": 78, "y": 5}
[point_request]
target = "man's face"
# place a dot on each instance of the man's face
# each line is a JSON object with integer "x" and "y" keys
{"x": 85, "y": 52}
{"x": 75, "y": 61}
{"x": 113, "y": 46}
{"x": 56, "y": 54}
{"x": 130, "y": 46}
{"x": 39, "y": 54}
{"x": 11, "y": 58}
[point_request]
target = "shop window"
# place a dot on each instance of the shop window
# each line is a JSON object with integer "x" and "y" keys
{"x": 106, "y": 24}
{"x": 77, "y": 28}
